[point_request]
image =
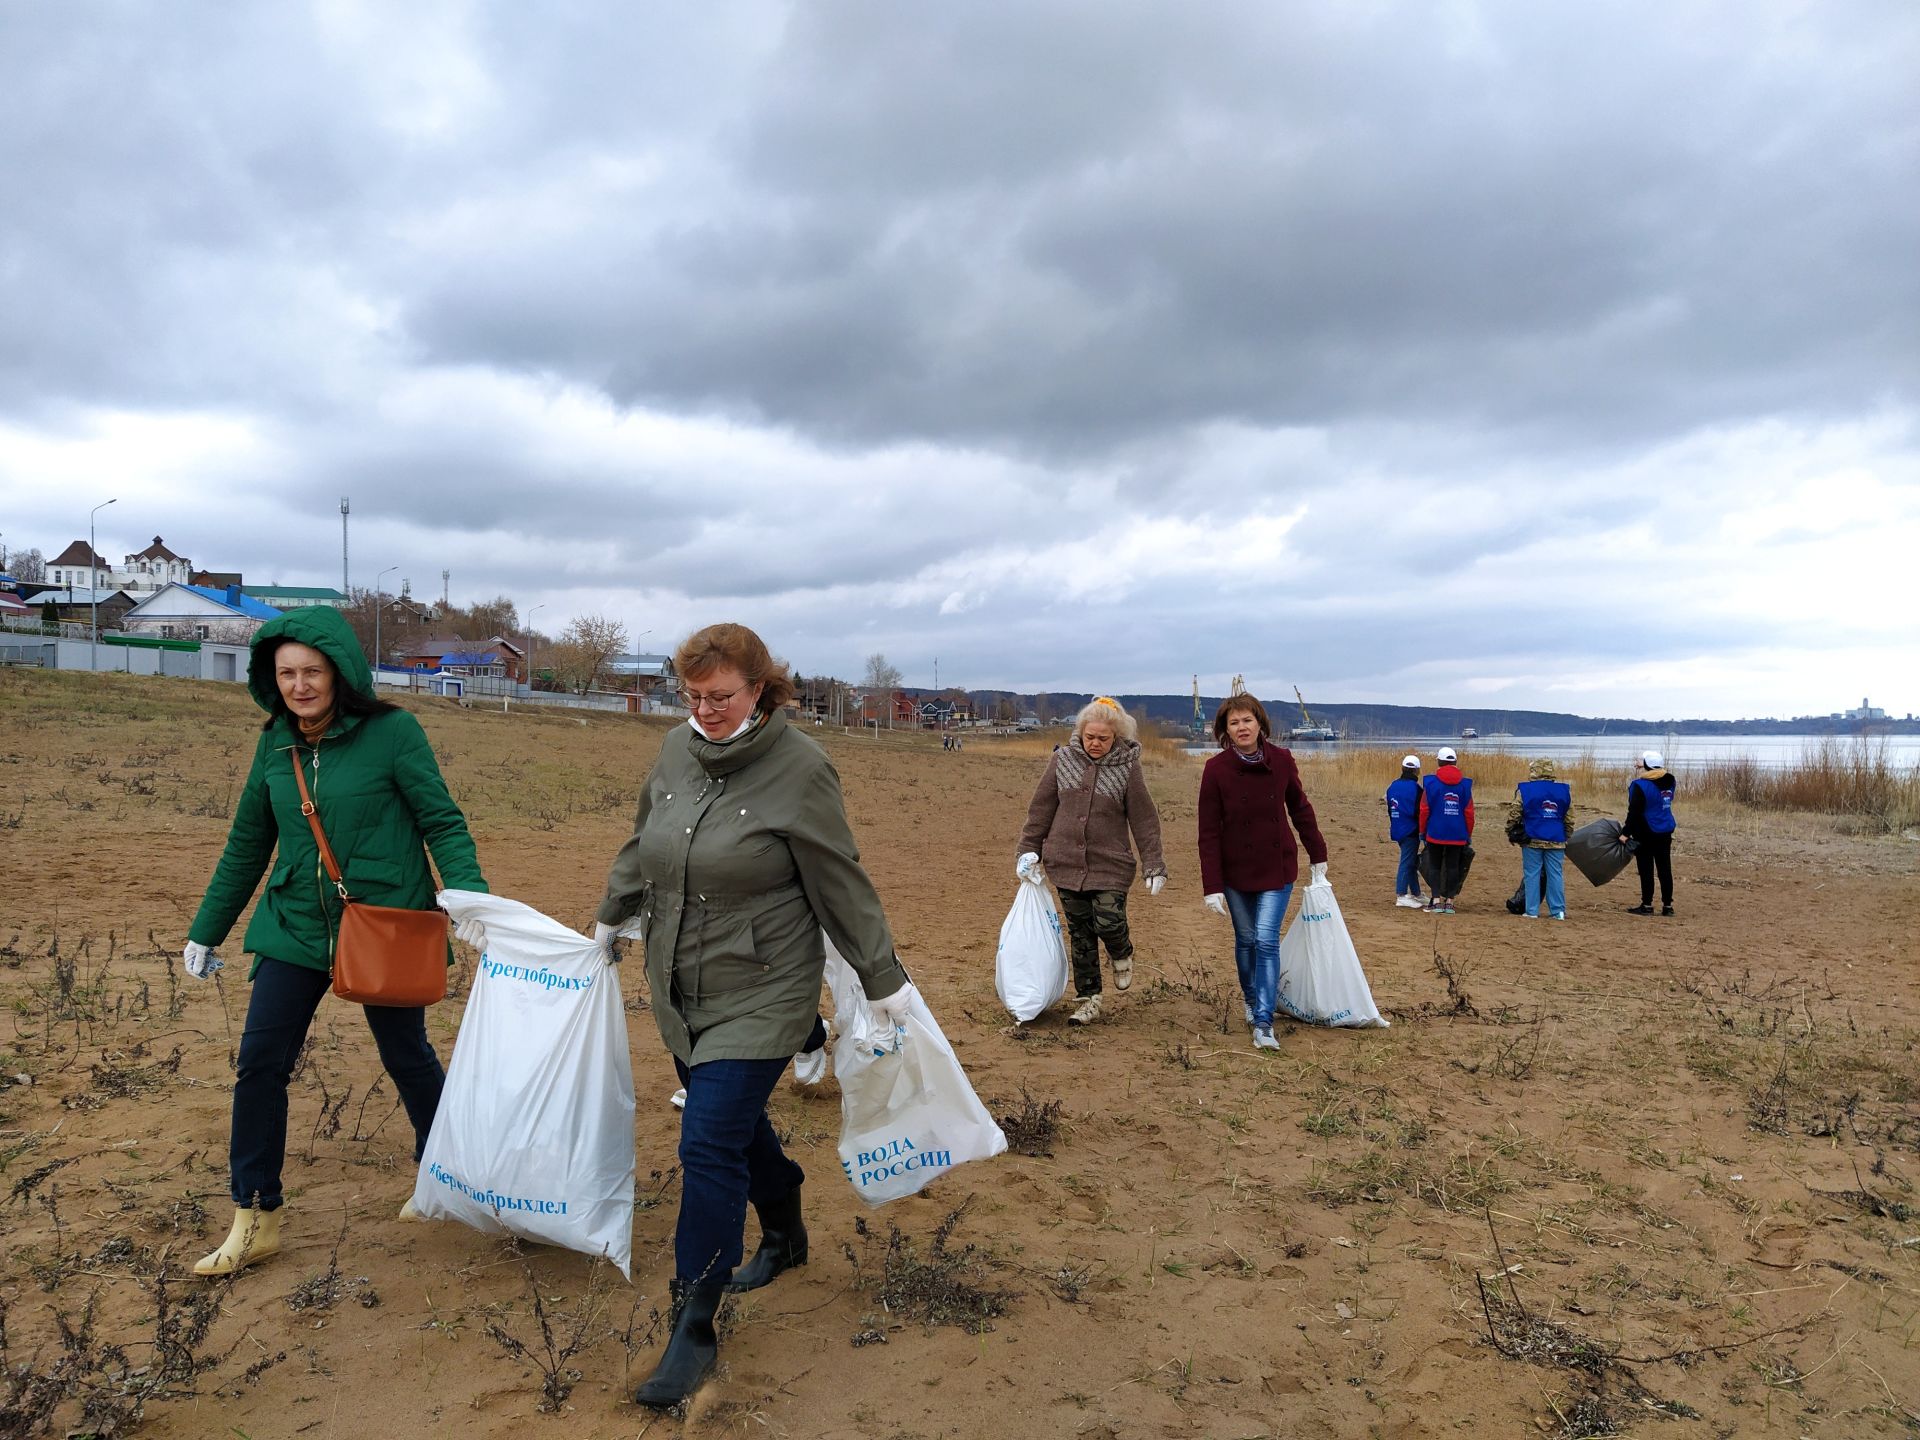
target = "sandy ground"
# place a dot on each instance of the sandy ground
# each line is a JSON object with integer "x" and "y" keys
{"x": 1615, "y": 1175}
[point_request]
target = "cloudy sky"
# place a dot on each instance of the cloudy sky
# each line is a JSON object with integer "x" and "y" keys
{"x": 1559, "y": 356}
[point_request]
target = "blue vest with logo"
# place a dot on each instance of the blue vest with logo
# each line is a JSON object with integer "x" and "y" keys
{"x": 1447, "y": 810}
{"x": 1659, "y": 807}
{"x": 1543, "y": 804}
{"x": 1403, "y": 808}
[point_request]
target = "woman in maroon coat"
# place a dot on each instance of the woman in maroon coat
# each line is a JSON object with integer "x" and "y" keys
{"x": 1248, "y": 858}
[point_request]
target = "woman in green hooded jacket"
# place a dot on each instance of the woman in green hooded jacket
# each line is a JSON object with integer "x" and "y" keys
{"x": 380, "y": 798}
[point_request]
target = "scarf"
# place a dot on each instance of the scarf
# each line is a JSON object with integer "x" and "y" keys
{"x": 312, "y": 730}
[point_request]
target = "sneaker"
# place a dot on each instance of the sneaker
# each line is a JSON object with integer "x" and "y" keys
{"x": 1263, "y": 1039}
{"x": 1528, "y": 915}
{"x": 1639, "y": 909}
{"x": 1123, "y": 973}
{"x": 1559, "y": 914}
{"x": 810, "y": 1066}
{"x": 678, "y": 1099}
{"x": 1446, "y": 907}
{"x": 1088, "y": 1012}
{"x": 1666, "y": 910}
{"x": 1410, "y": 902}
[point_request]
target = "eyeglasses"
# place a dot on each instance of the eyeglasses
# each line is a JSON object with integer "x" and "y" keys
{"x": 716, "y": 700}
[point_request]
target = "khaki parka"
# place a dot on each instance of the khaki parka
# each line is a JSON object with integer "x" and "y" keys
{"x": 740, "y": 856}
{"x": 380, "y": 797}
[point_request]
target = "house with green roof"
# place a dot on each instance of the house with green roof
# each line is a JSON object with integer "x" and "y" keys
{"x": 296, "y": 597}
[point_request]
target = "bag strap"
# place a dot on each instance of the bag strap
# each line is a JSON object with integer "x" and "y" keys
{"x": 313, "y": 819}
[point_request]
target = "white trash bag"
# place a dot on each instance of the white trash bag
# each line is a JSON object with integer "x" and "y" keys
{"x": 534, "y": 1135}
{"x": 907, "y": 1113}
{"x": 1030, "y": 968}
{"x": 1321, "y": 981}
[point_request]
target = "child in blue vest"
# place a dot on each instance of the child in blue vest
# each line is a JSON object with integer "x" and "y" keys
{"x": 1403, "y": 828}
{"x": 1546, "y": 811}
{"x": 1650, "y": 821}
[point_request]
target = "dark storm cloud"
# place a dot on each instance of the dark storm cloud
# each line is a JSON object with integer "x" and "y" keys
{"x": 1024, "y": 228}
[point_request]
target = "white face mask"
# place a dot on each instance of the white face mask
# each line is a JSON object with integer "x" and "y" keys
{"x": 745, "y": 725}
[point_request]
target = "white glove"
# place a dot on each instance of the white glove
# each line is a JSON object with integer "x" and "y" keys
{"x": 1218, "y": 904}
{"x": 604, "y": 935}
{"x": 200, "y": 960}
{"x": 471, "y": 932}
{"x": 892, "y": 1009}
{"x": 1027, "y": 867}
{"x": 1155, "y": 884}
{"x": 1320, "y": 874}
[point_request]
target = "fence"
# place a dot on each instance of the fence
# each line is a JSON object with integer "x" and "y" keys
{"x": 209, "y": 662}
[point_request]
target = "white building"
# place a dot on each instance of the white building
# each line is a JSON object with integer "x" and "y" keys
{"x": 1867, "y": 711}
{"x": 195, "y": 612}
{"x": 141, "y": 573}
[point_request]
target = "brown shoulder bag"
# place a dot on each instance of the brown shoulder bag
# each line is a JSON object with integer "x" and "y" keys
{"x": 383, "y": 955}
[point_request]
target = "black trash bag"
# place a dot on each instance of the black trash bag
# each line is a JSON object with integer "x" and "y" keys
{"x": 1426, "y": 865}
{"x": 1596, "y": 851}
{"x": 1517, "y": 902}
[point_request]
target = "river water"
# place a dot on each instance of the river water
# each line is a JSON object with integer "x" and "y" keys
{"x": 1682, "y": 752}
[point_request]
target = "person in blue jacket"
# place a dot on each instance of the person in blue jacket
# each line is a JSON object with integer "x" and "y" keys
{"x": 1403, "y": 828}
{"x": 1650, "y": 821}
{"x": 1546, "y": 811}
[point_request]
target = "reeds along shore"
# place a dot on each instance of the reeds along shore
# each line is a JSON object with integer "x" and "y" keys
{"x": 1856, "y": 780}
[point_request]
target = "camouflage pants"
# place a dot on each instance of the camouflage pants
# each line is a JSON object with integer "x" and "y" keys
{"x": 1093, "y": 916}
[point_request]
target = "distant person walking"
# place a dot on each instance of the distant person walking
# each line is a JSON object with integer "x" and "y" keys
{"x": 1092, "y": 794}
{"x": 1545, "y": 810}
{"x": 1446, "y": 829}
{"x": 382, "y": 802}
{"x": 1403, "y": 828}
{"x": 1650, "y": 822}
{"x": 1248, "y": 857}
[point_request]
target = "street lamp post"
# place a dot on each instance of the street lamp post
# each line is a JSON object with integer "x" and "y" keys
{"x": 541, "y": 606}
{"x": 93, "y": 585}
{"x": 379, "y": 609}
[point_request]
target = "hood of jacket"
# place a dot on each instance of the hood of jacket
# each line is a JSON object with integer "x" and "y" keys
{"x": 1653, "y": 774}
{"x": 1449, "y": 775}
{"x": 326, "y": 630}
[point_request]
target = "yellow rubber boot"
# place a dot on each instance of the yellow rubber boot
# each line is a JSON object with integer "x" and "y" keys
{"x": 254, "y": 1236}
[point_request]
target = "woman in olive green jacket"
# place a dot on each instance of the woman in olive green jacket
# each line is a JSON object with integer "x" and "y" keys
{"x": 740, "y": 855}
{"x": 381, "y": 800}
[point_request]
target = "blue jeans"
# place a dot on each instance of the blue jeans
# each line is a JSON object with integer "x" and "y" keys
{"x": 729, "y": 1156}
{"x": 1406, "y": 880}
{"x": 278, "y": 1013}
{"x": 1533, "y": 862}
{"x": 1256, "y": 947}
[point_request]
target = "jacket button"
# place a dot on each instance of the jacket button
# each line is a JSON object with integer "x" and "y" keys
{"x": 765, "y": 968}
{"x": 689, "y": 829}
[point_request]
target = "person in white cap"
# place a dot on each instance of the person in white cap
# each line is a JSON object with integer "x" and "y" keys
{"x": 1446, "y": 827}
{"x": 1403, "y": 828}
{"x": 1650, "y": 821}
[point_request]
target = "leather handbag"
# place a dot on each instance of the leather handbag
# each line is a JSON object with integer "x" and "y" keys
{"x": 383, "y": 955}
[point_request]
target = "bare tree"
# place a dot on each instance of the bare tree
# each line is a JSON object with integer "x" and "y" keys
{"x": 881, "y": 675}
{"x": 28, "y": 565}
{"x": 583, "y": 649}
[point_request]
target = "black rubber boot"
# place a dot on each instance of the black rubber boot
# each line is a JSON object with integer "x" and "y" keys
{"x": 691, "y": 1350}
{"x": 783, "y": 1243}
